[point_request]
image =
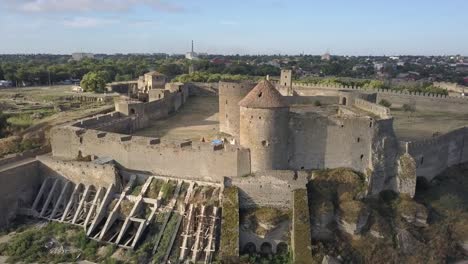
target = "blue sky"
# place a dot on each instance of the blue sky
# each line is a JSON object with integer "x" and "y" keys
{"x": 345, "y": 27}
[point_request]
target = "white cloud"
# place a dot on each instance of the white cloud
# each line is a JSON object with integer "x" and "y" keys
{"x": 87, "y": 22}
{"x": 38, "y": 6}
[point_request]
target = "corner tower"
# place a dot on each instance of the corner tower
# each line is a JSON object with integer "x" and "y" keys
{"x": 264, "y": 119}
{"x": 230, "y": 94}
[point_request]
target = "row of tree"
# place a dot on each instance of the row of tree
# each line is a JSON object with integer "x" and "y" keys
{"x": 45, "y": 69}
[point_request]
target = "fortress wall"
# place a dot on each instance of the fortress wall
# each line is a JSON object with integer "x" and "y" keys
{"x": 307, "y": 142}
{"x": 422, "y": 101}
{"x": 434, "y": 155}
{"x": 425, "y": 102}
{"x": 348, "y": 143}
{"x": 19, "y": 185}
{"x": 385, "y": 150}
{"x": 112, "y": 122}
{"x": 378, "y": 110}
{"x": 319, "y": 142}
{"x": 269, "y": 189}
{"x": 88, "y": 173}
{"x": 202, "y": 89}
{"x": 198, "y": 161}
{"x": 311, "y": 100}
{"x": 315, "y": 91}
{"x": 65, "y": 141}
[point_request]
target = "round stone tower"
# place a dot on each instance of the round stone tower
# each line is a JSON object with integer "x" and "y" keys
{"x": 264, "y": 126}
{"x": 230, "y": 94}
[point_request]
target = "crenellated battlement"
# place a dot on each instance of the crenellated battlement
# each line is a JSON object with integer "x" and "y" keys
{"x": 439, "y": 140}
{"x": 92, "y": 136}
{"x": 388, "y": 91}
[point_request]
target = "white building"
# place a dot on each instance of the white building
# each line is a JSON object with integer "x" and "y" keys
{"x": 77, "y": 56}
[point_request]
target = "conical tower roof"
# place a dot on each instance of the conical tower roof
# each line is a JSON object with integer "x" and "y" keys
{"x": 264, "y": 95}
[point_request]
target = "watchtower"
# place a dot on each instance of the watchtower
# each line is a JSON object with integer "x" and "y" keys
{"x": 264, "y": 119}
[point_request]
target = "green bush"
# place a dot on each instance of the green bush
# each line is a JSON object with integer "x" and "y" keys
{"x": 20, "y": 121}
{"x": 385, "y": 103}
{"x": 409, "y": 108}
{"x": 317, "y": 103}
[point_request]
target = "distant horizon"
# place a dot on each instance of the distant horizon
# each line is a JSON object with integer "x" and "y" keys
{"x": 269, "y": 27}
{"x": 217, "y": 54}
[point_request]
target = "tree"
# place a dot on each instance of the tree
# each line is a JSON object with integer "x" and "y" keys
{"x": 3, "y": 124}
{"x": 93, "y": 82}
{"x": 170, "y": 69}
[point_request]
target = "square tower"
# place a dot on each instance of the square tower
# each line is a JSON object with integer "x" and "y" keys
{"x": 286, "y": 78}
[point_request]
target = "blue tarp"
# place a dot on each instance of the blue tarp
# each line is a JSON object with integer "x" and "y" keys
{"x": 216, "y": 142}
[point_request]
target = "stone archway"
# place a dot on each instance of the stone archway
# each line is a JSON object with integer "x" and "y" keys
{"x": 344, "y": 100}
{"x": 249, "y": 248}
{"x": 266, "y": 248}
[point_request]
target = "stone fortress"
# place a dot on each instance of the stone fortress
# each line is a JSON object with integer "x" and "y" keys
{"x": 114, "y": 184}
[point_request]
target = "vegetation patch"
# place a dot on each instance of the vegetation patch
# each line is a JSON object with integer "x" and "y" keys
{"x": 51, "y": 243}
{"x": 301, "y": 240}
{"x": 229, "y": 247}
{"x": 339, "y": 184}
{"x": 154, "y": 188}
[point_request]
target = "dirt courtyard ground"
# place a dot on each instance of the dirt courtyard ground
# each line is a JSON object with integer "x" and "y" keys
{"x": 196, "y": 119}
{"x": 423, "y": 125}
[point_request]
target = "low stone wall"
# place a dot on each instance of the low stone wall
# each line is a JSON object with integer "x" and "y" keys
{"x": 24, "y": 155}
{"x": 18, "y": 187}
{"x": 87, "y": 173}
{"x": 378, "y": 110}
{"x": 269, "y": 189}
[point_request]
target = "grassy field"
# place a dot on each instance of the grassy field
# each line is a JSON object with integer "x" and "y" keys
{"x": 32, "y": 111}
{"x": 422, "y": 125}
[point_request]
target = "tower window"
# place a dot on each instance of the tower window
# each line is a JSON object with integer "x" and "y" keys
{"x": 358, "y": 139}
{"x": 265, "y": 143}
{"x": 226, "y": 101}
{"x": 362, "y": 156}
{"x": 260, "y": 94}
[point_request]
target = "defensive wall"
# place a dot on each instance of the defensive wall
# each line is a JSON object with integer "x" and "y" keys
{"x": 422, "y": 101}
{"x": 432, "y": 156}
{"x": 185, "y": 159}
{"x": 320, "y": 142}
